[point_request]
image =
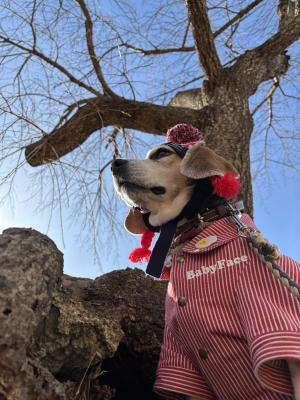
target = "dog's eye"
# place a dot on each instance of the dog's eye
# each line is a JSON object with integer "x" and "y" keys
{"x": 160, "y": 153}
{"x": 158, "y": 190}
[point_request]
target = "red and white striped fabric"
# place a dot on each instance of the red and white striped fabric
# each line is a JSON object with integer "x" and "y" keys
{"x": 229, "y": 324}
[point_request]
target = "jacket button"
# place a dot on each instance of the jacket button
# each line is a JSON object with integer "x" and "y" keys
{"x": 182, "y": 301}
{"x": 168, "y": 261}
{"x": 203, "y": 353}
{"x": 180, "y": 259}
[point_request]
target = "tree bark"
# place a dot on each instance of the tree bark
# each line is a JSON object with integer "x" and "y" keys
{"x": 204, "y": 40}
{"x": 104, "y": 111}
{"x": 267, "y": 60}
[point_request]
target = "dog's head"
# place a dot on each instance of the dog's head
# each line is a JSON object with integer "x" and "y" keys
{"x": 163, "y": 183}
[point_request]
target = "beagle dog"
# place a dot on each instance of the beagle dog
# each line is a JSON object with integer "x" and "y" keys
{"x": 159, "y": 187}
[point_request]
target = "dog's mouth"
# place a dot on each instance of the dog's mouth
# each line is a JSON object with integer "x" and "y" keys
{"x": 158, "y": 190}
{"x": 130, "y": 185}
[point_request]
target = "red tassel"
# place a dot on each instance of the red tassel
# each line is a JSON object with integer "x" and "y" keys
{"x": 142, "y": 253}
{"x": 139, "y": 255}
{"x": 226, "y": 186}
{"x": 146, "y": 238}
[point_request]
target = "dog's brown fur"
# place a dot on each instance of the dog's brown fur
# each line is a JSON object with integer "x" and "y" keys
{"x": 134, "y": 180}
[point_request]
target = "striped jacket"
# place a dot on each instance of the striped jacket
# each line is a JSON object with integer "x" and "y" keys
{"x": 229, "y": 324}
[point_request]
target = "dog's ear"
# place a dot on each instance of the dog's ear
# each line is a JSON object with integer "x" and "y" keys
{"x": 202, "y": 162}
{"x": 134, "y": 222}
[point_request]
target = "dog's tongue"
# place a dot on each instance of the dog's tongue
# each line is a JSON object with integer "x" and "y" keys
{"x": 161, "y": 248}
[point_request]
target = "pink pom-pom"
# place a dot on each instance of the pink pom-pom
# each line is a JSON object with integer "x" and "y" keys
{"x": 184, "y": 134}
{"x": 139, "y": 254}
{"x": 226, "y": 186}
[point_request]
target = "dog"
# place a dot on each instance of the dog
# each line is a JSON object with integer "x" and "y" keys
{"x": 232, "y": 331}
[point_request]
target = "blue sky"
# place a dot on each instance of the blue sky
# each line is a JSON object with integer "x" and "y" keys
{"x": 276, "y": 188}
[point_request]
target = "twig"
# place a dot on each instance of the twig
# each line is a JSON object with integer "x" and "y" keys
{"x": 85, "y": 373}
{"x": 274, "y": 87}
{"x": 237, "y": 17}
{"x": 51, "y": 62}
{"x": 91, "y": 49}
{"x": 185, "y": 34}
{"x": 184, "y": 48}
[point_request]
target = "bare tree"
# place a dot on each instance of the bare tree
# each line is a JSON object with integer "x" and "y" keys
{"x": 82, "y": 82}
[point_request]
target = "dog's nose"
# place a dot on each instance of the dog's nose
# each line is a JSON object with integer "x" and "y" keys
{"x": 117, "y": 163}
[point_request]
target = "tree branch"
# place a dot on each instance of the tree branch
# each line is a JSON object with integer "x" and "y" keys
{"x": 186, "y": 32}
{"x": 203, "y": 37}
{"x": 105, "y": 111}
{"x": 273, "y": 89}
{"x": 156, "y": 52}
{"x": 185, "y": 49}
{"x": 237, "y": 17}
{"x": 49, "y": 61}
{"x": 91, "y": 48}
{"x": 267, "y": 60}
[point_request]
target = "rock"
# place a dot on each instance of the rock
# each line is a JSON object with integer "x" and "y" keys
{"x": 30, "y": 270}
{"x": 72, "y": 338}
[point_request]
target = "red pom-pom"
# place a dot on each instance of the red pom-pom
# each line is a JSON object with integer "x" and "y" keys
{"x": 226, "y": 186}
{"x": 146, "y": 238}
{"x": 184, "y": 134}
{"x": 139, "y": 254}
{"x": 142, "y": 253}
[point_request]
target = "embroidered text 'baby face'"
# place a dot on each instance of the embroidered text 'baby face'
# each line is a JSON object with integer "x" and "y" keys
{"x": 220, "y": 264}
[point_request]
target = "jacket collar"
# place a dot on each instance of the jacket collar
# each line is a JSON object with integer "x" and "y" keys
{"x": 215, "y": 235}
